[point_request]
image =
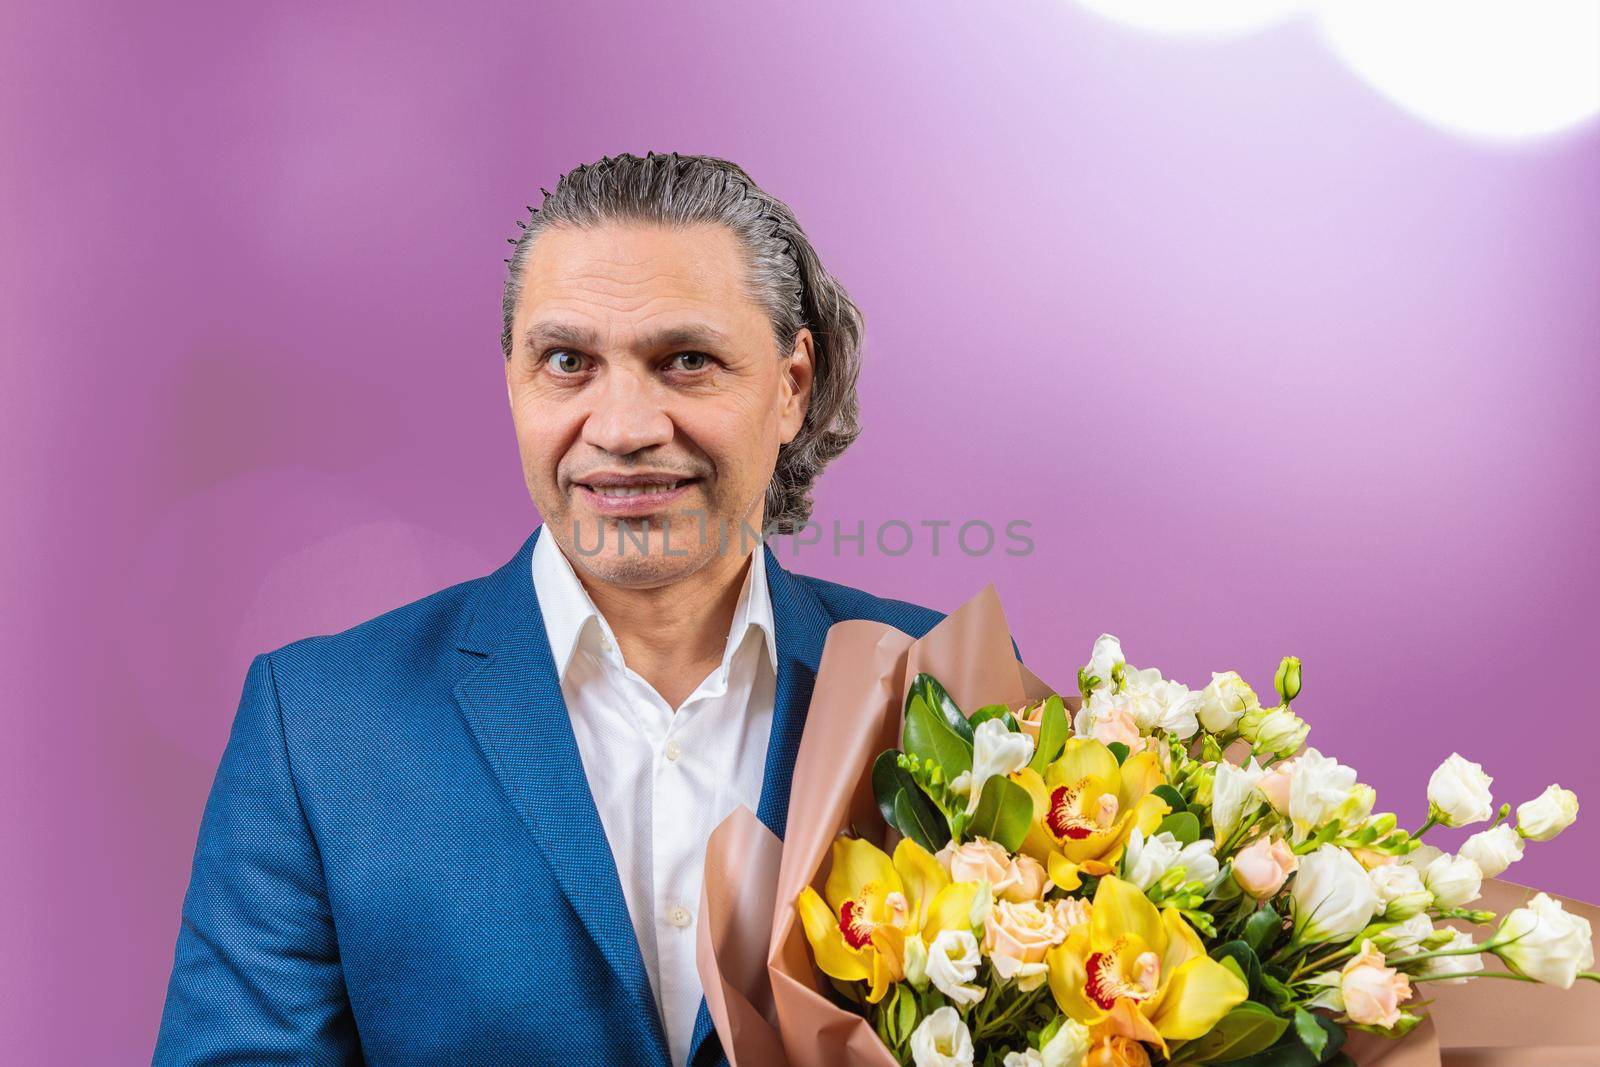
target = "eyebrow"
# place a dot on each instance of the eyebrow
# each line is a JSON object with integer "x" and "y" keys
{"x": 548, "y": 334}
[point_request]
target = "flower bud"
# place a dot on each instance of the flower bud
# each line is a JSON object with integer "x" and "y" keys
{"x": 1458, "y": 792}
{"x": 1287, "y": 680}
{"x": 1547, "y": 814}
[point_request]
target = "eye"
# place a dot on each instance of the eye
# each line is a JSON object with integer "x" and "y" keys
{"x": 564, "y": 361}
{"x": 691, "y": 361}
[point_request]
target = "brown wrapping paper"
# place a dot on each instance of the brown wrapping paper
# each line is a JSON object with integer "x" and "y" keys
{"x": 767, "y": 1000}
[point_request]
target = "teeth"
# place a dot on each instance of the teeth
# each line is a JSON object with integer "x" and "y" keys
{"x": 634, "y": 490}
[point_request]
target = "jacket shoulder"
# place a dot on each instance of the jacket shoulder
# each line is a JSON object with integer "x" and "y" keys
{"x": 847, "y": 602}
{"x": 415, "y": 638}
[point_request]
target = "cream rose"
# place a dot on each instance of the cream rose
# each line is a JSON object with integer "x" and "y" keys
{"x": 1016, "y": 937}
{"x": 1372, "y": 990}
{"x": 1016, "y": 878}
{"x": 1263, "y": 866}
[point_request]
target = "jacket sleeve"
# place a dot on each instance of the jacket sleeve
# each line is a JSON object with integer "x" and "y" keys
{"x": 256, "y": 977}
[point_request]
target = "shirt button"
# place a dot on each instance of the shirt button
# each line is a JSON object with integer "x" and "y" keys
{"x": 679, "y": 915}
{"x": 674, "y": 750}
{"x": 605, "y": 642}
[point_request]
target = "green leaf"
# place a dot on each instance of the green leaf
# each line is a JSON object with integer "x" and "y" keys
{"x": 994, "y": 711}
{"x": 1183, "y": 825}
{"x": 917, "y": 818}
{"x": 887, "y": 782}
{"x": 1261, "y": 929}
{"x": 1290, "y": 1051}
{"x": 1053, "y": 731}
{"x": 1005, "y": 811}
{"x": 1119, "y": 750}
{"x": 1311, "y": 1035}
{"x": 1243, "y": 957}
{"x": 905, "y": 1012}
{"x": 1173, "y": 798}
{"x": 1246, "y": 1030}
{"x": 926, "y": 688}
{"x": 929, "y": 736}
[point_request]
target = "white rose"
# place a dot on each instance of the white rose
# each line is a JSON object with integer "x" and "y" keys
{"x": 1105, "y": 658}
{"x": 1493, "y": 850}
{"x": 942, "y": 1040}
{"x": 1543, "y": 941}
{"x": 1224, "y": 700}
{"x": 1318, "y": 790}
{"x": 1454, "y": 881}
{"x": 1234, "y": 796}
{"x": 1145, "y": 860}
{"x": 1333, "y": 899}
{"x": 1400, "y": 890}
{"x": 1442, "y": 965}
{"x": 996, "y": 750}
{"x": 1459, "y": 790}
{"x": 952, "y": 962}
{"x": 1547, "y": 814}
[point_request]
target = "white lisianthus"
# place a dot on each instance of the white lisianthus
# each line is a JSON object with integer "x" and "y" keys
{"x": 1400, "y": 890}
{"x": 1319, "y": 788}
{"x": 1493, "y": 850}
{"x": 1147, "y": 859}
{"x": 996, "y": 750}
{"x": 1454, "y": 965}
{"x": 1548, "y": 814}
{"x": 1028, "y": 1057}
{"x": 1106, "y": 658}
{"x": 1068, "y": 1047}
{"x": 942, "y": 1040}
{"x": 1458, "y": 792}
{"x": 952, "y": 963}
{"x": 1405, "y": 937}
{"x": 1234, "y": 795}
{"x": 1543, "y": 941}
{"x": 1224, "y": 700}
{"x": 1454, "y": 881}
{"x": 1332, "y": 897}
{"x": 1275, "y": 730}
{"x": 1159, "y": 704}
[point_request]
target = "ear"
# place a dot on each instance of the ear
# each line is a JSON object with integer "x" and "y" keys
{"x": 798, "y": 370}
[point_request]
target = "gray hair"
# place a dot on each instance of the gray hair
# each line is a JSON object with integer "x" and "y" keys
{"x": 785, "y": 278}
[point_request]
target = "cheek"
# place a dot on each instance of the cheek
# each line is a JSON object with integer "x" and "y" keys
{"x": 544, "y": 433}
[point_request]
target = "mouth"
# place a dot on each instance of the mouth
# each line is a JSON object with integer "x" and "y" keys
{"x": 631, "y": 496}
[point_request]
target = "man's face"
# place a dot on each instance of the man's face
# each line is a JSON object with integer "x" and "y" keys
{"x": 649, "y": 397}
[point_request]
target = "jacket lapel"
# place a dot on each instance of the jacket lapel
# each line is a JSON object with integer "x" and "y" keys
{"x": 802, "y": 627}
{"x": 514, "y": 707}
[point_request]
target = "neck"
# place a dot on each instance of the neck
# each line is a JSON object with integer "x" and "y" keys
{"x": 674, "y": 635}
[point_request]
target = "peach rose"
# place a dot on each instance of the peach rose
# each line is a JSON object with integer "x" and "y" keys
{"x": 1117, "y": 1052}
{"x": 1263, "y": 867}
{"x": 1372, "y": 991}
{"x": 1117, "y": 724}
{"x": 1274, "y": 785}
{"x": 1016, "y": 937}
{"x": 1016, "y": 878}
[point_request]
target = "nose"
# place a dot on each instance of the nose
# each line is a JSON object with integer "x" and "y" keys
{"x": 627, "y": 414}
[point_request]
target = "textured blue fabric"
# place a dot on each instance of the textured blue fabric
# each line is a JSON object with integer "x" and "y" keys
{"x": 400, "y": 861}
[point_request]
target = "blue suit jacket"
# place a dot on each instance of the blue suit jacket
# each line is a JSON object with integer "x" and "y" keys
{"x": 400, "y": 860}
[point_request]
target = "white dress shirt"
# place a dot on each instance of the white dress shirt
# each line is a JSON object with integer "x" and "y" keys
{"x": 662, "y": 779}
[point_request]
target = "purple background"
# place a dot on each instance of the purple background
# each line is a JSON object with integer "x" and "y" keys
{"x": 1271, "y": 366}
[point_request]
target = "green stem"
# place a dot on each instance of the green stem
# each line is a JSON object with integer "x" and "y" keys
{"x": 1472, "y": 974}
{"x": 1470, "y": 950}
{"x": 1429, "y": 825}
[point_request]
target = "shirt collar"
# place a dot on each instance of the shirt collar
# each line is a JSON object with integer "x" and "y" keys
{"x": 569, "y": 612}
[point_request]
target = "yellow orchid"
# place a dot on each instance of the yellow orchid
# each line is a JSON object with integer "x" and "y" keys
{"x": 1133, "y": 971}
{"x": 1085, "y": 806}
{"x": 874, "y": 904}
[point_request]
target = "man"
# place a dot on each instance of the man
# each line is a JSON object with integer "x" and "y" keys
{"x": 471, "y": 830}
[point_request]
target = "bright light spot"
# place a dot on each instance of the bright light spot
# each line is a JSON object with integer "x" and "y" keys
{"x": 1489, "y": 68}
{"x": 1200, "y": 17}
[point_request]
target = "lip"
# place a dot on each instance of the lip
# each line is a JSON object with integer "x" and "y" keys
{"x": 633, "y": 506}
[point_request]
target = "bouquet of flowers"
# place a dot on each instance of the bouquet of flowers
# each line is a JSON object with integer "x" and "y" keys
{"x": 1169, "y": 876}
